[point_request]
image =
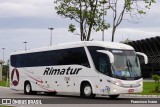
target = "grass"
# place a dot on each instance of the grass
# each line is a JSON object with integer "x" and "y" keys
{"x": 3, "y": 83}
{"x": 148, "y": 89}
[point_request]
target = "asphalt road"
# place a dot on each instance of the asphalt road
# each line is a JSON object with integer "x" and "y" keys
{"x": 75, "y": 100}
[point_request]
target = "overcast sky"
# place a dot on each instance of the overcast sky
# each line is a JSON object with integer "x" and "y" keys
{"x": 29, "y": 20}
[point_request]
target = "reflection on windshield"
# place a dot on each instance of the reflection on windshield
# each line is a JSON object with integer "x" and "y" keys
{"x": 125, "y": 64}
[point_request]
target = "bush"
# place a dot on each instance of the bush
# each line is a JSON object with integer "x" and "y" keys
{"x": 156, "y": 79}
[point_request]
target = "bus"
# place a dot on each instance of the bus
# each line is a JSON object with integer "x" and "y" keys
{"x": 87, "y": 68}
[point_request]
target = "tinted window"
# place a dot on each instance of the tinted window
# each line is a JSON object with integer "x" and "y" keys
{"x": 101, "y": 61}
{"x": 54, "y": 57}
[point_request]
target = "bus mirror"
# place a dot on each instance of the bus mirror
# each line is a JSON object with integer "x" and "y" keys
{"x": 110, "y": 55}
{"x": 144, "y": 55}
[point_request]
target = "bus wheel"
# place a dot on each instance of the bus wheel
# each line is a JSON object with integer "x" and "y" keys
{"x": 113, "y": 96}
{"x": 27, "y": 88}
{"x": 86, "y": 91}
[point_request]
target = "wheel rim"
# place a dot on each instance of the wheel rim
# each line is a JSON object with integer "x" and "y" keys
{"x": 87, "y": 90}
{"x": 28, "y": 88}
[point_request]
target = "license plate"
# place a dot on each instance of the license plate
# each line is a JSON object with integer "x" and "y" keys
{"x": 130, "y": 90}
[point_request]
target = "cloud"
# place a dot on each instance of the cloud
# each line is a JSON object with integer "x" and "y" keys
{"x": 150, "y": 19}
{"x": 27, "y": 8}
{"x": 13, "y": 39}
{"x": 30, "y": 14}
{"x": 134, "y": 33}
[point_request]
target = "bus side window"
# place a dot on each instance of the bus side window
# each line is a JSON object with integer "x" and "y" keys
{"x": 73, "y": 56}
{"x": 70, "y": 56}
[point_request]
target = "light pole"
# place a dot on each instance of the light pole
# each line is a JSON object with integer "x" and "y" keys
{"x": 3, "y": 53}
{"x": 51, "y": 35}
{"x": 7, "y": 73}
{"x": 103, "y": 21}
{"x": 25, "y": 45}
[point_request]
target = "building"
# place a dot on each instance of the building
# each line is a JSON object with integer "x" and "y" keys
{"x": 151, "y": 47}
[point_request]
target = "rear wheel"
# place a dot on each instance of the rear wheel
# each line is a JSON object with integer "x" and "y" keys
{"x": 87, "y": 91}
{"x": 27, "y": 88}
{"x": 113, "y": 96}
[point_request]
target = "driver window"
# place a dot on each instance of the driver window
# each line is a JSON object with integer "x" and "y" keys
{"x": 101, "y": 60}
{"x": 103, "y": 65}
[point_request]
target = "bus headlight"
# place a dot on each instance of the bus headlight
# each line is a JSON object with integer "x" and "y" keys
{"x": 115, "y": 82}
{"x": 114, "y": 90}
{"x": 119, "y": 84}
{"x": 140, "y": 83}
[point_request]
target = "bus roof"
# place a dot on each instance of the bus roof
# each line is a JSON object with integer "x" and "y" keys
{"x": 106, "y": 44}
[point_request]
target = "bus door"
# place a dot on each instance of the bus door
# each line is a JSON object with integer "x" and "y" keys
{"x": 103, "y": 68}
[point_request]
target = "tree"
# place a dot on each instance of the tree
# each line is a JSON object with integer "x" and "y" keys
{"x": 5, "y": 70}
{"x": 87, "y": 13}
{"x": 133, "y": 9}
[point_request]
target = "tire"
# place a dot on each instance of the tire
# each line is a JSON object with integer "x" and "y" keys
{"x": 86, "y": 91}
{"x": 28, "y": 88}
{"x": 113, "y": 96}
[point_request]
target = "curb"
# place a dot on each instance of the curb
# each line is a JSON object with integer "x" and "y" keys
{"x": 136, "y": 95}
{"x": 4, "y": 87}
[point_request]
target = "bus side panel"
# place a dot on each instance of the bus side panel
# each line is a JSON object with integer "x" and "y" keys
{"x": 16, "y": 79}
{"x": 49, "y": 83}
{"x": 42, "y": 82}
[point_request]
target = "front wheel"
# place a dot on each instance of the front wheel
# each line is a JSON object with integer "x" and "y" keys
{"x": 86, "y": 91}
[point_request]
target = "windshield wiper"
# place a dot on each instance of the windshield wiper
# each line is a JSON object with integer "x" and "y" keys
{"x": 131, "y": 68}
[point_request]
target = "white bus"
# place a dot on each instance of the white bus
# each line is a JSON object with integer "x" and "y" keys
{"x": 85, "y": 67}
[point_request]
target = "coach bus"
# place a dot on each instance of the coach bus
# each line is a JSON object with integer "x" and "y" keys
{"x": 87, "y": 68}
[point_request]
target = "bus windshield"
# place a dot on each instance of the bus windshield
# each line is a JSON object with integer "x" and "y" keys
{"x": 126, "y": 64}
